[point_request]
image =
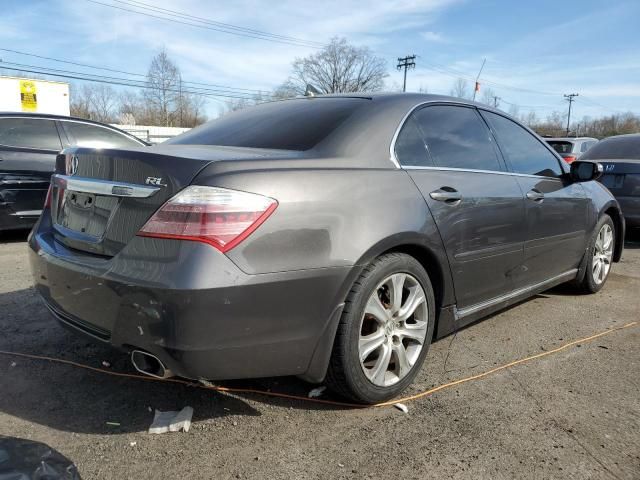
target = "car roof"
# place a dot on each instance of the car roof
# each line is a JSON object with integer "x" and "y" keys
{"x": 49, "y": 116}
{"x": 568, "y": 139}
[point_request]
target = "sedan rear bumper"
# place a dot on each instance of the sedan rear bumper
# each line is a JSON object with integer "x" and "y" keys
{"x": 192, "y": 307}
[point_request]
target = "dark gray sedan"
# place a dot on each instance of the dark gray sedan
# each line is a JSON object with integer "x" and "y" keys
{"x": 620, "y": 158}
{"x": 331, "y": 238}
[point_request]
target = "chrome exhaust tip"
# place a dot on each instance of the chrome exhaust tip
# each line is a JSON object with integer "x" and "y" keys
{"x": 149, "y": 364}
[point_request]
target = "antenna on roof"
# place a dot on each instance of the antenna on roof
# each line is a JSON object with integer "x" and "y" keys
{"x": 311, "y": 91}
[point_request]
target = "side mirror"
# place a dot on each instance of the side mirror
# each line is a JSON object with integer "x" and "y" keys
{"x": 585, "y": 171}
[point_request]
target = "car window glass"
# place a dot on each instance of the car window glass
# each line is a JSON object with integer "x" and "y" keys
{"x": 525, "y": 152}
{"x": 561, "y": 146}
{"x": 584, "y": 146}
{"x": 85, "y": 135}
{"x": 297, "y": 124}
{"x": 410, "y": 147}
{"x": 29, "y": 133}
{"x": 457, "y": 137}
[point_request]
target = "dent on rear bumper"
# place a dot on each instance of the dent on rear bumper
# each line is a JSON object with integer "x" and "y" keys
{"x": 192, "y": 307}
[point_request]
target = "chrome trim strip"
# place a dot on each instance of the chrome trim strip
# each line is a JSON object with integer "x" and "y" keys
{"x": 27, "y": 213}
{"x": 103, "y": 187}
{"x": 471, "y": 170}
{"x": 392, "y": 147}
{"x": 464, "y": 312}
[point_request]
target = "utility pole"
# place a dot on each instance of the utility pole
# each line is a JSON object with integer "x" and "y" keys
{"x": 496, "y": 100}
{"x": 406, "y": 63}
{"x": 570, "y": 98}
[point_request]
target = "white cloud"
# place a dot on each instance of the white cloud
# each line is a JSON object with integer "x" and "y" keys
{"x": 433, "y": 37}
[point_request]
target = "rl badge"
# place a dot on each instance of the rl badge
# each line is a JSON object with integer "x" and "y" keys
{"x": 155, "y": 181}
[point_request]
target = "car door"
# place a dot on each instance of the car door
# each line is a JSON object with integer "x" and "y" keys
{"x": 477, "y": 205}
{"x": 28, "y": 148}
{"x": 556, "y": 208}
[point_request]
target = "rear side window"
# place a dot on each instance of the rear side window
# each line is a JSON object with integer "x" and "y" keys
{"x": 411, "y": 150}
{"x": 561, "y": 146}
{"x": 456, "y": 137}
{"x": 34, "y": 133}
{"x": 298, "y": 124}
{"x": 525, "y": 152}
{"x": 624, "y": 147}
{"x": 85, "y": 135}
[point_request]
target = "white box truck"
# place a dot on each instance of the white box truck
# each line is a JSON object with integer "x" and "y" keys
{"x": 38, "y": 96}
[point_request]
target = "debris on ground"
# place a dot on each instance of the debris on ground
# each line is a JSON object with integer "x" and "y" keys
{"x": 402, "y": 407}
{"x": 316, "y": 392}
{"x": 133, "y": 444}
{"x": 171, "y": 421}
{"x": 13, "y": 364}
{"x": 206, "y": 383}
{"x": 106, "y": 364}
{"x": 113, "y": 424}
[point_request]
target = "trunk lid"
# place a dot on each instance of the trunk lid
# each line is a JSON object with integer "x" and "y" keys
{"x": 622, "y": 177}
{"x": 102, "y": 197}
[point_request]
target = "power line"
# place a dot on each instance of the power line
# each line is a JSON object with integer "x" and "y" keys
{"x": 143, "y": 5}
{"x": 110, "y": 80}
{"x": 175, "y": 19}
{"x": 106, "y": 69}
{"x": 406, "y": 63}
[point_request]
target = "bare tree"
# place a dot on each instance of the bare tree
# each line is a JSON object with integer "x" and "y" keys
{"x": 514, "y": 110}
{"x": 95, "y": 102}
{"x": 460, "y": 89}
{"x": 163, "y": 86}
{"x": 489, "y": 97}
{"x": 338, "y": 68}
{"x": 167, "y": 101}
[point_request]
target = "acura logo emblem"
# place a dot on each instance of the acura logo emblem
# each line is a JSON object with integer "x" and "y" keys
{"x": 72, "y": 165}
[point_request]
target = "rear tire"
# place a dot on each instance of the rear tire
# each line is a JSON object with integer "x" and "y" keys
{"x": 599, "y": 256}
{"x": 384, "y": 332}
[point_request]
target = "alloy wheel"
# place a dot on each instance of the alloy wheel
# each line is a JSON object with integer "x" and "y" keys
{"x": 602, "y": 254}
{"x": 393, "y": 329}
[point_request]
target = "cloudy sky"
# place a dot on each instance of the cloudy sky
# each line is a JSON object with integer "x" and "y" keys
{"x": 535, "y": 51}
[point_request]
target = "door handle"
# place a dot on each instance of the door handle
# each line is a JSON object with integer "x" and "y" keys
{"x": 446, "y": 194}
{"x": 535, "y": 195}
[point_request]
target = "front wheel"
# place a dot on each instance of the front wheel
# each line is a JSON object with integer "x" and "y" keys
{"x": 384, "y": 332}
{"x": 599, "y": 256}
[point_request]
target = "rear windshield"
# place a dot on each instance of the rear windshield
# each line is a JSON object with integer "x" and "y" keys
{"x": 561, "y": 147}
{"x": 298, "y": 124}
{"x": 627, "y": 147}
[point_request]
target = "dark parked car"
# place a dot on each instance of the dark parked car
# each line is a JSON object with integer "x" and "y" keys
{"x": 29, "y": 144}
{"x": 330, "y": 237}
{"x": 620, "y": 158}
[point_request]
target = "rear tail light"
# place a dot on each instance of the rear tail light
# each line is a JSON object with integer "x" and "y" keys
{"x": 569, "y": 158}
{"x": 47, "y": 200}
{"x": 218, "y": 216}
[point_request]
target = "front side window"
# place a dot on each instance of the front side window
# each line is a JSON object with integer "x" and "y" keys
{"x": 525, "y": 152}
{"x": 39, "y": 134}
{"x": 456, "y": 137}
{"x": 86, "y": 135}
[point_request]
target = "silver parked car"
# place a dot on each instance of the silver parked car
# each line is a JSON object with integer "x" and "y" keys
{"x": 570, "y": 148}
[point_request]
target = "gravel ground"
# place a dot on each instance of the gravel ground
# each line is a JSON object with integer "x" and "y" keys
{"x": 574, "y": 414}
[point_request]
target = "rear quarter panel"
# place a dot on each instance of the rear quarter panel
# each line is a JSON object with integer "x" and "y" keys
{"x": 332, "y": 217}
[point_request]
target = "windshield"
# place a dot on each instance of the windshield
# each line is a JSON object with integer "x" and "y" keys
{"x": 625, "y": 147}
{"x": 298, "y": 124}
{"x": 560, "y": 146}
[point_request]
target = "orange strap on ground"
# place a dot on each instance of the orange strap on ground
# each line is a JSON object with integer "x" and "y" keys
{"x": 319, "y": 400}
